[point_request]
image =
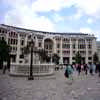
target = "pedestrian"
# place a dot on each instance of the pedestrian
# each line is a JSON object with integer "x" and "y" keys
{"x": 4, "y": 68}
{"x": 98, "y": 67}
{"x": 91, "y": 69}
{"x": 79, "y": 69}
{"x": 70, "y": 71}
{"x": 86, "y": 69}
{"x": 94, "y": 67}
{"x": 66, "y": 72}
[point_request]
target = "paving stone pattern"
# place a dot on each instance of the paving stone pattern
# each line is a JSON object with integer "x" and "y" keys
{"x": 55, "y": 87}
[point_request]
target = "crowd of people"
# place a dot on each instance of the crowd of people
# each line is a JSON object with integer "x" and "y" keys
{"x": 82, "y": 68}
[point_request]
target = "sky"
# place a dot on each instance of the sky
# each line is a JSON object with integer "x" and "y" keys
{"x": 53, "y": 15}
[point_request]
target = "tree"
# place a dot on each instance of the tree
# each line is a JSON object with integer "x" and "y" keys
{"x": 55, "y": 58}
{"x": 78, "y": 58}
{"x": 43, "y": 54}
{"x": 4, "y": 53}
{"x": 95, "y": 58}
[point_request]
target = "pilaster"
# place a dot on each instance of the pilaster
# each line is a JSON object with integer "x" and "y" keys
{"x": 86, "y": 57}
{"x": 18, "y": 50}
{"x": 70, "y": 60}
{"x": 61, "y": 56}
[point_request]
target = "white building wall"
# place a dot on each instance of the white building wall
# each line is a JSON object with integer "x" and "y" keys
{"x": 94, "y": 48}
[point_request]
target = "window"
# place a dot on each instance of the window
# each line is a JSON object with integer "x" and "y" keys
{"x": 73, "y": 46}
{"x": 3, "y": 31}
{"x": 22, "y": 42}
{"x": 66, "y": 46}
{"x": 2, "y": 38}
{"x": 14, "y": 41}
{"x": 81, "y": 46}
{"x": 89, "y": 52}
{"x": 58, "y": 45}
{"x": 89, "y": 58}
{"x": 39, "y": 44}
{"x": 58, "y": 51}
{"x": 26, "y": 61}
{"x": 20, "y": 61}
{"x": 89, "y": 46}
{"x": 22, "y": 56}
{"x": 50, "y": 46}
{"x": 73, "y": 52}
{"x": 11, "y": 41}
{"x": 13, "y": 48}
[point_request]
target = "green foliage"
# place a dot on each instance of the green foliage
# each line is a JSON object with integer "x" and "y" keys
{"x": 4, "y": 50}
{"x": 55, "y": 58}
{"x": 95, "y": 58}
{"x": 4, "y": 53}
{"x": 43, "y": 55}
{"x": 78, "y": 58}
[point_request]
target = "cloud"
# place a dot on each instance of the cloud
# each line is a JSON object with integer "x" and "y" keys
{"x": 78, "y": 15}
{"x": 28, "y": 20}
{"x": 89, "y": 7}
{"x": 90, "y": 31}
{"x": 22, "y": 15}
{"x": 85, "y": 30}
{"x": 57, "y": 18}
{"x": 50, "y": 5}
{"x": 89, "y": 21}
{"x": 75, "y": 16}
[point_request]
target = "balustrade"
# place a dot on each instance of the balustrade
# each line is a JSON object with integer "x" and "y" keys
{"x": 21, "y": 69}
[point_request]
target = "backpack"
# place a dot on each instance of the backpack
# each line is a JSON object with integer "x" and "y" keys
{"x": 66, "y": 74}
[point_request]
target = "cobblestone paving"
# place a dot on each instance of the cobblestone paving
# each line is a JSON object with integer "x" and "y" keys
{"x": 49, "y": 88}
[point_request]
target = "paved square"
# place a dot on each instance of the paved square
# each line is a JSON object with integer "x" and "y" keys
{"x": 55, "y": 87}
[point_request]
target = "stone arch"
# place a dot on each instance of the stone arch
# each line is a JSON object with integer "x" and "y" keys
{"x": 49, "y": 45}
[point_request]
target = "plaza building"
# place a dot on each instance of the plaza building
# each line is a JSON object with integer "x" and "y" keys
{"x": 66, "y": 45}
{"x": 98, "y": 49}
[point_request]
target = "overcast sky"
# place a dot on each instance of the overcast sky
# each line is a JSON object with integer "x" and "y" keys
{"x": 53, "y": 15}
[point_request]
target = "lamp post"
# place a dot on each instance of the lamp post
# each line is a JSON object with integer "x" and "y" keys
{"x": 31, "y": 63}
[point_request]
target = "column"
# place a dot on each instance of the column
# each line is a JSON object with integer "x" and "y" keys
{"x": 94, "y": 47}
{"x": 61, "y": 56}
{"x": 70, "y": 60}
{"x": 36, "y": 42}
{"x": 7, "y": 37}
{"x": 43, "y": 43}
{"x": 86, "y": 57}
{"x": 54, "y": 47}
{"x": 26, "y": 40}
{"x": 18, "y": 50}
{"x": 76, "y": 45}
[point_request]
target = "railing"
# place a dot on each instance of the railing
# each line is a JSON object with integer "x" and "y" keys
{"x": 21, "y": 69}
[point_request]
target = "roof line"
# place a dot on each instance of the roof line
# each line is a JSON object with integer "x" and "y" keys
{"x": 61, "y": 33}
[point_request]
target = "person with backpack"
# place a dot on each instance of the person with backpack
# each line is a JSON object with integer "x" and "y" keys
{"x": 69, "y": 72}
{"x": 66, "y": 72}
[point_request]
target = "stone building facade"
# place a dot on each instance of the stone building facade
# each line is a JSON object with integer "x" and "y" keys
{"x": 64, "y": 44}
{"x": 98, "y": 49}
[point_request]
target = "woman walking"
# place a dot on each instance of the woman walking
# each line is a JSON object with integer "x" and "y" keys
{"x": 69, "y": 72}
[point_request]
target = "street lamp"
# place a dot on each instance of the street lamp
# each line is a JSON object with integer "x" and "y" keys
{"x": 31, "y": 63}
